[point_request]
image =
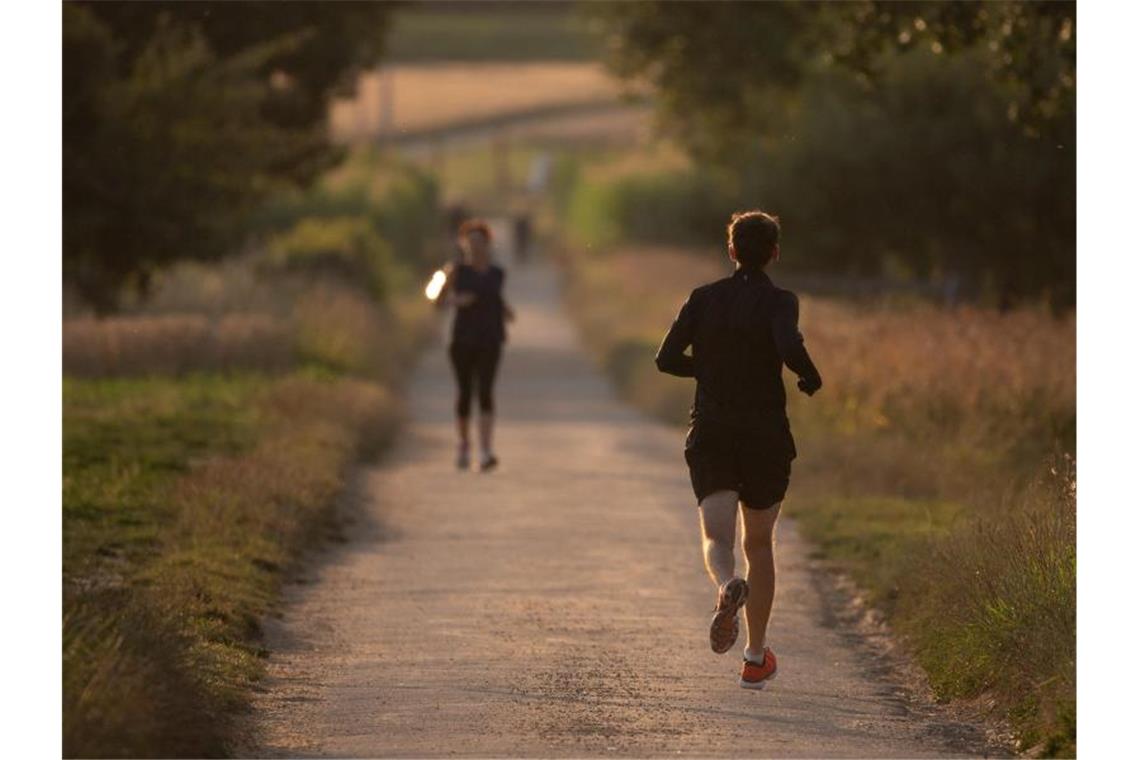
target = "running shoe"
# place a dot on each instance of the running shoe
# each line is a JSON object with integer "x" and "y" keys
{"x": 463, "y": 458}
{"x": 756, "y": 675}
{"x": 489, "y": 463}
{"x": 725, "y": 626}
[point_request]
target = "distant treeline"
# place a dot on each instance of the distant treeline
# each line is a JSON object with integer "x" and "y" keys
{"x": 931, "y": 141}
{"x": 491, "y": 30}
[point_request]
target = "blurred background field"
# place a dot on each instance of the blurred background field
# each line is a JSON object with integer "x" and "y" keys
{"x": 242, "y": 303}
{"x": 408, "y": 99}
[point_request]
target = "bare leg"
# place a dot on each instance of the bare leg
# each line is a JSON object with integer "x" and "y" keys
{"x": 718, "y": 534}
{"x": 759, "y": 542}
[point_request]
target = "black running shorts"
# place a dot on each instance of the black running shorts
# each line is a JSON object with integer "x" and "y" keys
{"x": 756, "y": 463}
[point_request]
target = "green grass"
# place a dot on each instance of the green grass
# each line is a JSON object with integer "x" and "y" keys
{"x": 871, "y": 536}
{"x": 125, "y": 440}
{"x": 126, "y": 443}
{"x": 985, "y": 602}
{"x": 991, "y": 609}
{"x": 185, "y": 500}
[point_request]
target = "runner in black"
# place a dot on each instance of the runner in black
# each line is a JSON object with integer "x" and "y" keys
{"x": 743, "y": 330}
{"x": 474, "y": 287}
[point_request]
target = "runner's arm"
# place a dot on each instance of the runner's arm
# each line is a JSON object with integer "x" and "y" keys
{"x": 671, "y": 357}
{"x": 790, "y": 342}
{"x": 508, "y": 310}
{"x": 449, "y": 295}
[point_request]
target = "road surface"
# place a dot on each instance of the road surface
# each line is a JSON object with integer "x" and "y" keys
{"x": 557, "y": 607}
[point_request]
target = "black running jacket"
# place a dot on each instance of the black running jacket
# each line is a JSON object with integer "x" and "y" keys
{"x": 743, "y": 330}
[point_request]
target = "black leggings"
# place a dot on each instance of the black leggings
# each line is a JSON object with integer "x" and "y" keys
{"x": 473, "y": 363}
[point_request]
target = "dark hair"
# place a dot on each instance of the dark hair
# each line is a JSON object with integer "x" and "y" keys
{"x": 754, "y": 235}
{"x": 475, "y": 225}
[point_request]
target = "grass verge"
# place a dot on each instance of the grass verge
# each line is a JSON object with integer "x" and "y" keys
{"x": 208, "y": 435}
{"x": 185, "y": 500}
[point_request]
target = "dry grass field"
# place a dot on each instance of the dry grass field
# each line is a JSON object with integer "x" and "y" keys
{"x": 409, "y": 98}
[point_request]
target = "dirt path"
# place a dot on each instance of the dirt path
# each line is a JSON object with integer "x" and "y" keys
{"x": 557, "y": 607}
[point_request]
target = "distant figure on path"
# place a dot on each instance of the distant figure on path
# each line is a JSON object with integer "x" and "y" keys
{"x": 743, "y": 330}
{"x": 522, "y": 237}
{"x": 474, "y": 286}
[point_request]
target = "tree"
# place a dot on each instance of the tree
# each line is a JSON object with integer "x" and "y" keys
{"x": 179, "y": 118}
{"x": 721, "y": 72}
{"x": 727, "y": 71}
{"x": 932, "y": 137}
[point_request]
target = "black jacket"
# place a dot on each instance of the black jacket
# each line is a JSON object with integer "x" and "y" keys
{"x": 743, "y": 330}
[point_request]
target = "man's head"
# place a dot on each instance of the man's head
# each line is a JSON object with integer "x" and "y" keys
{"x": 754, "y": 238}
{"x": 475, "y": 240}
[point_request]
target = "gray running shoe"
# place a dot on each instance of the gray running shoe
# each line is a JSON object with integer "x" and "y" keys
{"x": 725, "y": 626}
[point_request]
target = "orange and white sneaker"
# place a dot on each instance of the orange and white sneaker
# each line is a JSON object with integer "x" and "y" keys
{"x": 756, "y": 675}
{"x": 725, "y": 625}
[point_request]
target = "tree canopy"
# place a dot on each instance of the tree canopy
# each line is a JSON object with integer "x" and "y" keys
{"x": 180, "y": 117}
{"x": 935, "y": 137}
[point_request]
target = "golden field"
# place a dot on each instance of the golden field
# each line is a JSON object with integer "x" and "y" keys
{"x": 429, "y": 96}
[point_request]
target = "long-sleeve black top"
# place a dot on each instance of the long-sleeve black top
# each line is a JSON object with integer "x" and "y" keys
{"x": 743, "y": 330}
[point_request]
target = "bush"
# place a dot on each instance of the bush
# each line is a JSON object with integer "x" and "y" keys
{"x": 927, "y": 177}
{"x": 924, "y": 180}
{"x": 342, "y": 331}
{"x": 399, "y": 201}
{"x": 672, "y": 208}
{"x": 342, "y": 247}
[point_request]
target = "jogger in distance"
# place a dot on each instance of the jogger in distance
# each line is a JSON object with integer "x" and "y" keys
{"x": 474, "y": 287}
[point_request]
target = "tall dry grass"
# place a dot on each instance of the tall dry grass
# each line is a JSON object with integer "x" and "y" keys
{"x": 328, "y": 325}
{"x": 175, "y": 344}
{"x": 347, "y": 332}
{"x": 968, "y": 376}
{"x": 991, "y": 609}
{"x": 918, "y": 366}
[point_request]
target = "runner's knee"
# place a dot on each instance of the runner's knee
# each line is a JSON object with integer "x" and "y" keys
{"x": 760, "y": 528}
{"x": 758, "y": 541}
